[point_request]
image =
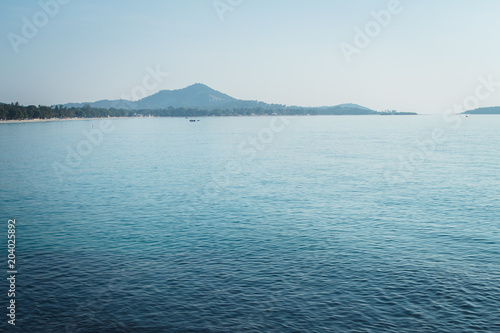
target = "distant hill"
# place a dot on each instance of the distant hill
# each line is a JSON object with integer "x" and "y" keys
{"x": 488, "y": 110}
{"x": 200, "y": 96}
{"x": 197, "y": 100}
{"x": 351, "y": 106}
{"x": 105, "y": 104}
{"x": 342, "y": 109}
{"x": 195, "y": 96}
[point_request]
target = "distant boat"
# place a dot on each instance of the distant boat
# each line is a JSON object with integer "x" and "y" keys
{"x": 192, "y": 120}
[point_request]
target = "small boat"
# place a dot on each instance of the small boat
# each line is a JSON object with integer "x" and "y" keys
{"x": 192, "y": 120}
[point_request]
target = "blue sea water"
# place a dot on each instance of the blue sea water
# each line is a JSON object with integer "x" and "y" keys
{"x": 254, "y": 224}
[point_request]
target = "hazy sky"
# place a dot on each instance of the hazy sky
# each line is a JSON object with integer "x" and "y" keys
{"x": 425, "y": 57}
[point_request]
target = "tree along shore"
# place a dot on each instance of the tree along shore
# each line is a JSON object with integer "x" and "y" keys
{"x": 18, "y": 112}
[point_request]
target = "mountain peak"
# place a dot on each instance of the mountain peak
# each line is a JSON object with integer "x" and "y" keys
{"x": 196, "y": 95}
{"x": 201, "y": 96}
{"x": 198, "y": 86}
{"x": 353, "y": 106}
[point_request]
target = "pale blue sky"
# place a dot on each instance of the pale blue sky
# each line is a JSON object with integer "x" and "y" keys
{"x": 279, "y": 51}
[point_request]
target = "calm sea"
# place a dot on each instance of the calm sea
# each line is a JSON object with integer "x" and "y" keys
{"x": 253, "y": 224}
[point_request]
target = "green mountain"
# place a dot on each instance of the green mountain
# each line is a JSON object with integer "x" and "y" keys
{"x": 200, "y": 96}
{"x": 197, "y": 96}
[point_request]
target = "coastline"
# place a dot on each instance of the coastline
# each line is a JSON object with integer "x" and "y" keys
{"x": 102, "y": 118}
{"x": 134, "y": 117}
{"x": 58, "y": 119}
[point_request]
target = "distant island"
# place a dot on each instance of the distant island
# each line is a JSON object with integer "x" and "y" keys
{"x": 197, "y": 100}
{"x": 395, "y": 113}
{"x": 488, "y": 110}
